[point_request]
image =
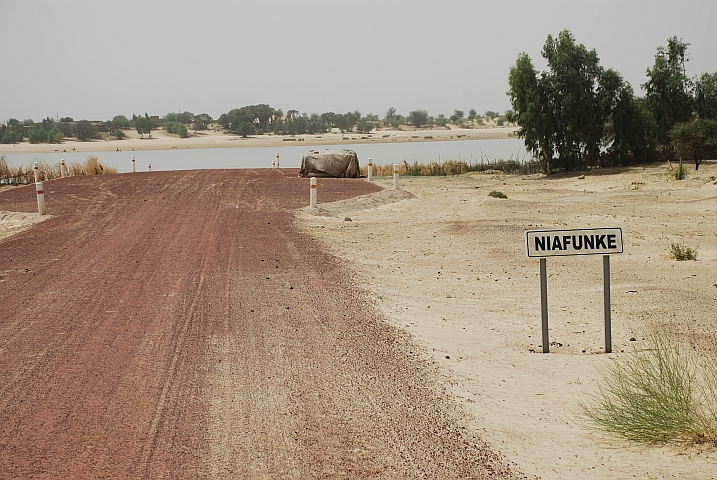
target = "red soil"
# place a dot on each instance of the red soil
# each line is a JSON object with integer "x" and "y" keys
{"x": 176, "y": 324}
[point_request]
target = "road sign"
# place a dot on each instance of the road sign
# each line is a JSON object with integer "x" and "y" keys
{"x": 585, "y": 241}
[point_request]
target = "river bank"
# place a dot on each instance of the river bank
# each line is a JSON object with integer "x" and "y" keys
{"x": 161, "y": 140}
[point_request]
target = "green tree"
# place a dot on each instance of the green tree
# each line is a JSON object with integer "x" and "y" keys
{"x": 472, "y": 114}
{"x": 533, "y": 113}
{"x": 706, "y": 96}
{"x": 13, "y": 132}
{"x": 177, "y": 128}
{"x": 143, "y": 124}
{"x": 244, "y": 129}
{"x": 418, "y": 117}
{"x": 37, "y": 134}
{"x": 120, "y": 121}
{"x": 202, "y": 121}
{"x": 84, "y": 130}
{"x": 669, "y": 90}
{"x": 696, "y": 139}
{"x": 563, "y": 112}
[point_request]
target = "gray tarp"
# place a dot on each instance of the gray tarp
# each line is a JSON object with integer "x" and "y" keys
{"x": 330, "y": 163}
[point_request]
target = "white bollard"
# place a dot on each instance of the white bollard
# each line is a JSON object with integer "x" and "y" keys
{"x": 370, "y": 169}
{"x": 62, "y": 168}
{"x": 149, "y": 167}
{"x": 273, "y": 164}
{"x": 277, "y": 159}
{"x": 37, "y": 172}
{"x": 395, "y": 177}
{"x": 40, "y": 198}
{"x": 312, "y": 195}
{"x": 134, "y": 165}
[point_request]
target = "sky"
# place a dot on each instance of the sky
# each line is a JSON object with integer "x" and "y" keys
{"x": 97, "y": 59}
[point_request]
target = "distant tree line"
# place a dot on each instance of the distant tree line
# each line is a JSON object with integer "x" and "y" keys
{"x": 578, "y": 114}
{"x": 248, "y": 120}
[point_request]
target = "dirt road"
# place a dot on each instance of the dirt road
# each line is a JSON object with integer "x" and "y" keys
{"x": 176, "y": 324}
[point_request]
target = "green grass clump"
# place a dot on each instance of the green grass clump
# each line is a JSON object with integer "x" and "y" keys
{"x": 680, "y": 172}
{"x": 660, "y": 395}
{"x": 680, "y": 252}
{"x": 497, "y": 194}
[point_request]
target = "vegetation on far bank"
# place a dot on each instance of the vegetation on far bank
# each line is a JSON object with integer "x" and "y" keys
{"x": 244, "y": 121}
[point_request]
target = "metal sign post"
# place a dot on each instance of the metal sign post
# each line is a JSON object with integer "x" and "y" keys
{"x": 560, "y": 243}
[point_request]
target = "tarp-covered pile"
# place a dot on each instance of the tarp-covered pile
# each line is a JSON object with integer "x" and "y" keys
{"x": 330, "y": 163}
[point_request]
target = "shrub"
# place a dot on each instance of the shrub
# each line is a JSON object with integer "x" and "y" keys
{"x": 245, "y": 128}
{"x": 497, "y": 194}
{"x": 37, "y": 134}
{"x": 680, "y": 172}
{"x": 661, "y": 394}
{"x": 84, "y": 130}
{"x": 680, "y": 252}
{"x": 119, "y": 134}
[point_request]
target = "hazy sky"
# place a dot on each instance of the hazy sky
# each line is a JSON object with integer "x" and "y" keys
{"x": 96, "y": 59}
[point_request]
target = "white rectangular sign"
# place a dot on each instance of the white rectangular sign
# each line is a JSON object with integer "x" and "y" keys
{"x": 585, "y": 241}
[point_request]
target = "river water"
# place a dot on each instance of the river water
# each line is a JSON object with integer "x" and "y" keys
{"x": 290, "y": 156}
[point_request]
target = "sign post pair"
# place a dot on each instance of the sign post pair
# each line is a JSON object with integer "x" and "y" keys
{"x": 560, "y": 243}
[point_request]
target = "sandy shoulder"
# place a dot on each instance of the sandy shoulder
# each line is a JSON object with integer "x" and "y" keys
{"x": 162, "y": 140}
{"x": 15, "y": 222}
{"x": 449, "y": 267}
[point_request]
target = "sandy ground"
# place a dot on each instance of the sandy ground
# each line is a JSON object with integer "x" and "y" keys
{"x": 447, "y": 264}
{"x": 161, "y": 140}
{"x": 15, "y": 222}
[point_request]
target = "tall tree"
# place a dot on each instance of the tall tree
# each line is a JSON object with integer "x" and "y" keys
{"x": 706, "y": 96}
{"x": 669, "y": 90}
{"x": 418, "y": 117}
{"x": 532, "y": 111}
{"x": 696, "y": 139}
{"x": 84, "y": 130}
{"x": 563, "y": 113}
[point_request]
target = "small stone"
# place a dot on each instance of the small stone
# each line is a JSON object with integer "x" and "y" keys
{"x": 633, "y": 339}
{"x": 448, "y": 357}
{"x": 581, "y": 177}
{"x": 347, "y": 219}
{"x": 252, "y": 311}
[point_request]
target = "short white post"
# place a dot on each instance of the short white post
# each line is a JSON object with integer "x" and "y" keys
{"x": 37, "y": 172}
{"x": 277, "y": 159}
{"x": 134, "y": 165}
{"x": 370, "y": 169}
{"x": 273, "y": 164}
{"x": 312, "y": 195}
{"x": 62, "y": 168}
{"x": 149, "y": 167}
{"x": 395, "y": 176}
{"x": 40, "y": 198}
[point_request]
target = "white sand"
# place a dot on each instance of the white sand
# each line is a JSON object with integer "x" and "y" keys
{"x": 450, "y": 268}
{"x": 161, "y": 140}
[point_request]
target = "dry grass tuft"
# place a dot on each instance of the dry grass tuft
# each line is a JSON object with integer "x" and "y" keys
{"x": 663, "y": 394}
{"x": 24, "y": 174}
